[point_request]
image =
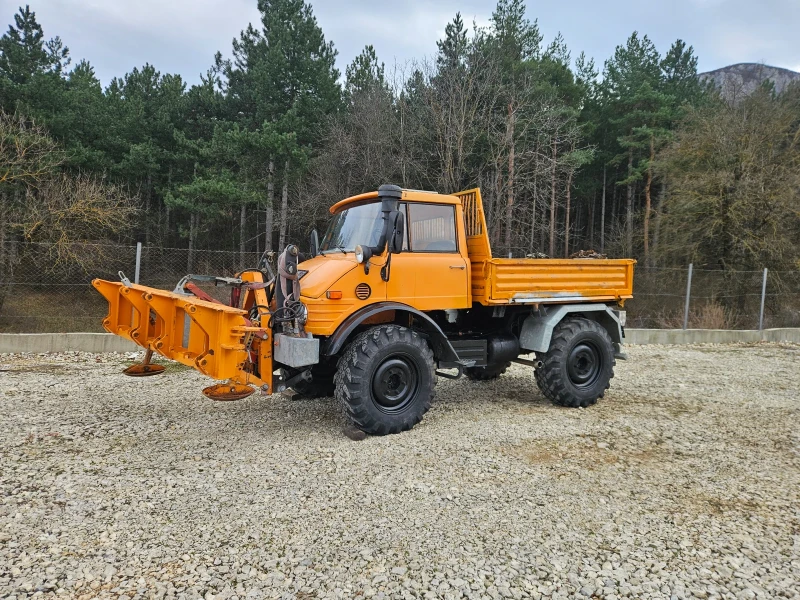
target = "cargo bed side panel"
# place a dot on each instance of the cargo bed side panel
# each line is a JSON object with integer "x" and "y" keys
{"x": 558, "y": 280}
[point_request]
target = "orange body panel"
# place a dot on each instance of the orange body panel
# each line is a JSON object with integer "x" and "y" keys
{"x": 423, "y": 280}
{"x": 553, "y": 281}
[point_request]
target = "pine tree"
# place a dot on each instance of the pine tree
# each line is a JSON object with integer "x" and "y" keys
{"x": 282, "y": 75}
{"x": 515, "y": 42}
{"x": 283, "y": 66}
{"x": 453, "y": 48}
{"x": 25, "y": 53}
{"x": 364, "y": 74}
{"x": 629, "y": 78}
{"x": 31, "y": 69}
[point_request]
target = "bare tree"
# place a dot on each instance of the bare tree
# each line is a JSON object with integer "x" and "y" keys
{"x": 27, "y": 152}
{"x": 65, "y": 213}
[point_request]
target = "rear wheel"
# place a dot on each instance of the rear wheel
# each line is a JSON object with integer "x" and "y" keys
{"x": 486, "y": 373}
{"x": 385, "y": 380}
{"x": 578, "y": 367}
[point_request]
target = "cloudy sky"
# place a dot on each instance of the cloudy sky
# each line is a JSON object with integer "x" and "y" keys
{"x": 181, "y": 36}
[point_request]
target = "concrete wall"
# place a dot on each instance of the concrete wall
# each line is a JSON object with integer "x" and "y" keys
{"x": 64, "y": 342}
{"x": 709, "y": 336}
{"x": 105, "y": 342}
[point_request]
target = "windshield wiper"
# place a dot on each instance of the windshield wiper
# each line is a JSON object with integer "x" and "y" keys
{"x": 339, "y": 248}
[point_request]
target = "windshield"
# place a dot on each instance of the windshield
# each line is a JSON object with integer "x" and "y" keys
{"x": 359, "y": 225}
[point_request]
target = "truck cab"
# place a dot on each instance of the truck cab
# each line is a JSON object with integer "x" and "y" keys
{"x": 431, "y": 272}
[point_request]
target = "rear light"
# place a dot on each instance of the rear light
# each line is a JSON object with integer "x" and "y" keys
{"x": 334, "y": 295}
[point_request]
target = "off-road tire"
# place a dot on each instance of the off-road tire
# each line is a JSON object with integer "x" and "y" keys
{"x": 321, "y": 384}
{"x": 385, "y": 380}
{"x": 567, "y": 376}
{"x": 486, "y": 373}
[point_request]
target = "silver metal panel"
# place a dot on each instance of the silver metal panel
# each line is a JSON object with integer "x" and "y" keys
{"x": 295, "y": 351}
{"x": 545, "y": 300}
{"x": 537, "y": 330}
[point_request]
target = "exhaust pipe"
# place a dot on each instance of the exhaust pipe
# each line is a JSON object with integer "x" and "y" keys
{"x": 536, "y": 364}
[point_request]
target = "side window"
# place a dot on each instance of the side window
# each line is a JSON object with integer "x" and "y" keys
{"x": 432, "y": 227}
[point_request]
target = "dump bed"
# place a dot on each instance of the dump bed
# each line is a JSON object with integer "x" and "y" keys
{"x": 535, "y": 280}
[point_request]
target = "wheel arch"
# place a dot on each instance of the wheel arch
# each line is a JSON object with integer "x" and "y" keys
{"x": 537, "y": 329}
{"x": 443, "y": 350}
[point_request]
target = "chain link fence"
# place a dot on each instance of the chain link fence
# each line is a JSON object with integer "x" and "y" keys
{"x": 47, "y": 288}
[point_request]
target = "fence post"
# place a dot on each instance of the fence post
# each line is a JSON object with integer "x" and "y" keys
{"x": 763, "y": 297}
{"x": 688, "y": 296}
{"x": 138, "y": 262}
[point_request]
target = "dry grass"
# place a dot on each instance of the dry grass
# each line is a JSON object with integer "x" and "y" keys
{"x": 56, "y": 309}
{"x": 711, "y": 315}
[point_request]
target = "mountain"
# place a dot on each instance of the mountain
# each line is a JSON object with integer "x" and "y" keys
{"x": 740, "y": 80}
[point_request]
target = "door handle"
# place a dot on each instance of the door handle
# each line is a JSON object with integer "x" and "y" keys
{"x": 462, "y": 267}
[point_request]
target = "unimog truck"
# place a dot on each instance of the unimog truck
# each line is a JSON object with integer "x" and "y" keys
{"x": 401, "y": 289}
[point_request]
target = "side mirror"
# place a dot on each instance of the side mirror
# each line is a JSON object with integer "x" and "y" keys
{"x": 314, "y": 243}
{"x": 398, "y": 234}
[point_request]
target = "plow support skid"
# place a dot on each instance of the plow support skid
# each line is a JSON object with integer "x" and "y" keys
{"x": 200, "y": 334}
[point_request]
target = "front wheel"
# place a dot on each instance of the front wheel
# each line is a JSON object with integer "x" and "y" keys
{"x": 385, "y": 380}
{"x": 577, "y": 369}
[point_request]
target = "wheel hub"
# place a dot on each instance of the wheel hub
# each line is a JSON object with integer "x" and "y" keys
{"x": 394, "y": 383}
{"x": 583, "y": 366}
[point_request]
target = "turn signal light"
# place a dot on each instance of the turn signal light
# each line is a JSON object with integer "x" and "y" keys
{"x": 334, "y": 295}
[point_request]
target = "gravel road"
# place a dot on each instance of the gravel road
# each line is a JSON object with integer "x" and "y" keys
{"x": 683, "y": 482}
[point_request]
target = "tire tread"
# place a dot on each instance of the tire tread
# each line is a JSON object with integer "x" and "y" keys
{"x": 352, "y": 391}
{"x": 549, "y": 376}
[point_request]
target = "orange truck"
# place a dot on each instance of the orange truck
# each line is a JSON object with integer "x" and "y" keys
{"x": 401, "y": 289}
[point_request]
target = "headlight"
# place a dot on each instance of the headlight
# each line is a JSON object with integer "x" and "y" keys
{"x": 359, "y": 254}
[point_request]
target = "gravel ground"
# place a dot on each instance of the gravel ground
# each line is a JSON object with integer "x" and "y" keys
{"x": 683, "y": 482}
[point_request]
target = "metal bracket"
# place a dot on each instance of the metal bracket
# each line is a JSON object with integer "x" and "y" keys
{"x": 303, "y": 376}
{"x": 217, "y": 281}
{"x": 499, "y": 312}
{"x": 458, "y": 375}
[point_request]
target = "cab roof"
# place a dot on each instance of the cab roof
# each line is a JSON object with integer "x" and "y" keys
{"x": 408, "y": 196}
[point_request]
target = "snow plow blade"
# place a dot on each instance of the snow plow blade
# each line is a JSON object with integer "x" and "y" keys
{"x": 204, "y": 335}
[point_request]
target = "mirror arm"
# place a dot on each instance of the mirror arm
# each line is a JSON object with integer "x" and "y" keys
{"x": 386, "y": 270}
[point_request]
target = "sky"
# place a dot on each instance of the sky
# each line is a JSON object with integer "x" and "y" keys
{"x": 182, "y": 36}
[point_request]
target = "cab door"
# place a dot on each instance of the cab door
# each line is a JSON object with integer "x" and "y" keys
{"x": 433, "y": 273}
